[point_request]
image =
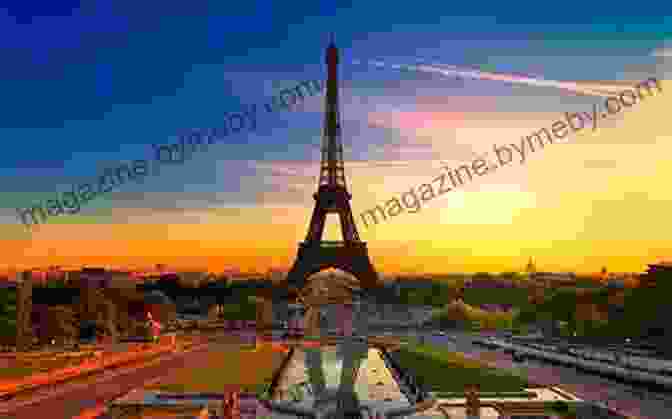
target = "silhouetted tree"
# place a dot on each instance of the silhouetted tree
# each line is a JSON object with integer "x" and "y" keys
{"x": 60, "y": 325}
{"x": 7, "y": 315}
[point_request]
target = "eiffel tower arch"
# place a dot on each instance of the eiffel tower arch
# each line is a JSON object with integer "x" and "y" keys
{"x": 332, "y": 197}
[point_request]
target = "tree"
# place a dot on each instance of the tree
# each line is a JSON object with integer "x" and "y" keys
{"x": 7, "y": 315}
{"x": 128, "y": 308}
{"x": 510, "y": 276}
{"x": 60, "y": 324}
{"x": 56, "y": 283}
{"x": 107, "y": 320}
{"x": 562, "y": 408}
{"x": 527, "y": 315}
{"x": 482, "y": 275}
{"x": 452, "y": 315}
{"x": 476, "y": 324}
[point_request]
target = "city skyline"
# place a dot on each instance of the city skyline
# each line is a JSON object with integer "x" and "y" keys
{"x": 140, "y": 272}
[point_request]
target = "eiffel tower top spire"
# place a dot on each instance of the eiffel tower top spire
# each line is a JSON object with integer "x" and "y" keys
{"x": 332, "y": 173}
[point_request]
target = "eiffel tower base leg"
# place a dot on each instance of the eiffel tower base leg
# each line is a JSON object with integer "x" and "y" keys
{"x": 352, "y": 258}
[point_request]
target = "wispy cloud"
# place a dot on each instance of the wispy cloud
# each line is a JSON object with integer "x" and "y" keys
{"x": 663, "y": 51}
{"x": 600, "y": 164}
{"x": 589, "y": 88}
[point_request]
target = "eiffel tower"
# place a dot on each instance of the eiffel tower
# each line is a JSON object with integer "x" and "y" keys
{"x": 350, "y": 254}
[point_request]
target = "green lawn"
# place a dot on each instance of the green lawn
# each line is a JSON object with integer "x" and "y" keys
{"x": 446, "y": 371}
{"x": 240, "y": 311}
{"x": 17, "y": 372}
{"x": 478, "y": 296}
{"x": 517, "y": 394}
{"x": 224, "y": 368}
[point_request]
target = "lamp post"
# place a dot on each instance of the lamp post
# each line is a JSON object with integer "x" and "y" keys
{"x": 473, "y": 403}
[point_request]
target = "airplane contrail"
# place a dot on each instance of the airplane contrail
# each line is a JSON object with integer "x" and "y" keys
{"x": 588, "y": 88}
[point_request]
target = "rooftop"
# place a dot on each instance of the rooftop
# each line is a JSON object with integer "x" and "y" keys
{"x": 663, "y": 265}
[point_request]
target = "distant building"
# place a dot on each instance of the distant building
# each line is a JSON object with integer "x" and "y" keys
{"x": 650, "y": 279}
{"x": 530, "y": 269}
{"x": 264, "y": 314}
{"x": 94, "y": 277}
{"x": 98, "y": 278}
{"x": 192, "y": 279}
{"x": 276, "y": 275}
{"x": 121, "y": 280}
{"x": 547, "y": 279}
{"x": 533, "y": 273}
{"x": 90, "y": 281}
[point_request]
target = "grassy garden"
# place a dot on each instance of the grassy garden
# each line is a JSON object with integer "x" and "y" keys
{"x": 245, "y": 309}
{"x": 27, "y": 366}
{"x": 479, "y": 296}
{"x": 439, "y": 370}
{"x": 40, "y": 366}
{"x": 459, "y": 314}
{"x": 227, "y": 367}
{"x": 16, "y": 371}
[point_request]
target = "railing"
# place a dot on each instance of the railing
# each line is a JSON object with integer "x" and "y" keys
{"x": 333, "y": 243}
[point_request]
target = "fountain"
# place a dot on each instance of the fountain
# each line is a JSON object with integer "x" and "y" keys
{"x": 341, "y": 378}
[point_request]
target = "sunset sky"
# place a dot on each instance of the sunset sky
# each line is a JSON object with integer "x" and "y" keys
{"x": 84, "y": 89}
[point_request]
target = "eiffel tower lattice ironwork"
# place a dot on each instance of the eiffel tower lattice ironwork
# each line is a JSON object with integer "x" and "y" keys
{"x": 351, "y": 254}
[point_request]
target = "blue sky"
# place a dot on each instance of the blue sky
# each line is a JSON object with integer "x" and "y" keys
{"x": 84, "y": 88}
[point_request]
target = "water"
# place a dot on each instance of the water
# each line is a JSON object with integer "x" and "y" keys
{"x": 314, "y": 376}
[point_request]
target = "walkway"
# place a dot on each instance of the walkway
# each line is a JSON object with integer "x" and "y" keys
{"x": 67, "y": 401}
{"x": 588, "y": 387}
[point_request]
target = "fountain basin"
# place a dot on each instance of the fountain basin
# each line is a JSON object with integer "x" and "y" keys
{"x": 347, "y": 374}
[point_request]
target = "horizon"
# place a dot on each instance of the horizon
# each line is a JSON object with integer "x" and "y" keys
{"x": 385, "y": 276}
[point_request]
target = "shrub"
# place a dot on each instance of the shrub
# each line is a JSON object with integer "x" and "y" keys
{"x": 441, "y": 370}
